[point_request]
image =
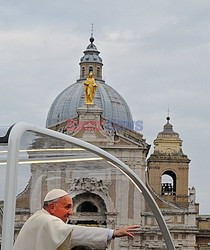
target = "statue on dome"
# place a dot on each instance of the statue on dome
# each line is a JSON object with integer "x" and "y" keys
{"x": 90, "y": 89}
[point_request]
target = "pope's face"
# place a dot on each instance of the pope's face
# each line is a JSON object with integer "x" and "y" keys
{"x": 62, "y": 208}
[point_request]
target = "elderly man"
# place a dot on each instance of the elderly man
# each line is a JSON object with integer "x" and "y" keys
{"x": 47, "y": 228}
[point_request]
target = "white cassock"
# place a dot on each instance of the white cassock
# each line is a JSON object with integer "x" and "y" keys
{"x": 43, "y": 231}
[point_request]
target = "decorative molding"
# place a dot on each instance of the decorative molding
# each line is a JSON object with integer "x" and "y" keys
{"x": 90, "y": 185}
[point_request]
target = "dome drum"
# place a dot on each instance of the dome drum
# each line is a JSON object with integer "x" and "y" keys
{"x": 86, "y": 68}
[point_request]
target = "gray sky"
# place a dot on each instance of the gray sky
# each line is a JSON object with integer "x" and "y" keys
{"x": 155, "y": 54}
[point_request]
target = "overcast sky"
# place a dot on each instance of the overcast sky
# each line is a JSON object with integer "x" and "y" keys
{"x": 155, "y": 53}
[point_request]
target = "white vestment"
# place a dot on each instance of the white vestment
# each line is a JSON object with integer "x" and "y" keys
{"x": 43, "y": 231}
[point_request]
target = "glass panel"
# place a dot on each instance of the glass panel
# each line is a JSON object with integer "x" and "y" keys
{"x": 102, "y": 195}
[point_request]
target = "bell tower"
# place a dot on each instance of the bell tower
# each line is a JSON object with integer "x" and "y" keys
{"x": 168, "y": 168}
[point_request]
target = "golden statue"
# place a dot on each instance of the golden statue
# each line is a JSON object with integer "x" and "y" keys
{"x": 90, "y": 89}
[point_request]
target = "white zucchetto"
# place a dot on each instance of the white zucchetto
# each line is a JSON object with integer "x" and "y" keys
{"x": 55, "y": 194}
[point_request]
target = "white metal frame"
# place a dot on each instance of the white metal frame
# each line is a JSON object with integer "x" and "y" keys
{"x": 12, "y": 171}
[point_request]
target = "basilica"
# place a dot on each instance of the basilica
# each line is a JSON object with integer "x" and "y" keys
{"x": 93, "y": 111}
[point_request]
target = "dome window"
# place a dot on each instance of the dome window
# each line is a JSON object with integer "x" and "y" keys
{"x": 98, "y": 71}
{"x": 83, "y": 71}
{"x": 90, "y": 69}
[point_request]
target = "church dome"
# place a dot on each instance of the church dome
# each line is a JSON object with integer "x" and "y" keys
{"x": 110, "y": 101}
{"x": 70, "y": 99}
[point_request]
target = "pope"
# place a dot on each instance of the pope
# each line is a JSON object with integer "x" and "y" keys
{"x": 47, "y": 228}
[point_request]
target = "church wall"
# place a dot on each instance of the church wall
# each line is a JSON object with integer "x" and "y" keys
{"x": 204, "y": 222}
{"x": 182, "y": 231}
{"x": 135, "y": 159}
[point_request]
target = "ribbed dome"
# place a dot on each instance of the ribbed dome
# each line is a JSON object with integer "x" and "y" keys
{"x": 110, "y": 101}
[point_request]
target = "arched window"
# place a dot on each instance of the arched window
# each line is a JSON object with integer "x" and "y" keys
{"x": 89, "y": 209}
{"x": 168, "y": 183}
{"x": 98, "y": 71}
{"x": 87, "y": 206}
{"x": 81, "y": 248}
{"x": 90, "y": 69}
{"x": 83, "y": 71}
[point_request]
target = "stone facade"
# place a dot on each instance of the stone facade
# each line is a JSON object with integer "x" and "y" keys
{"x": 103, "y": 198}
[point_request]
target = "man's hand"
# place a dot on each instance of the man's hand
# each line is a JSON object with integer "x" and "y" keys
{"x": 126, "y": 231}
